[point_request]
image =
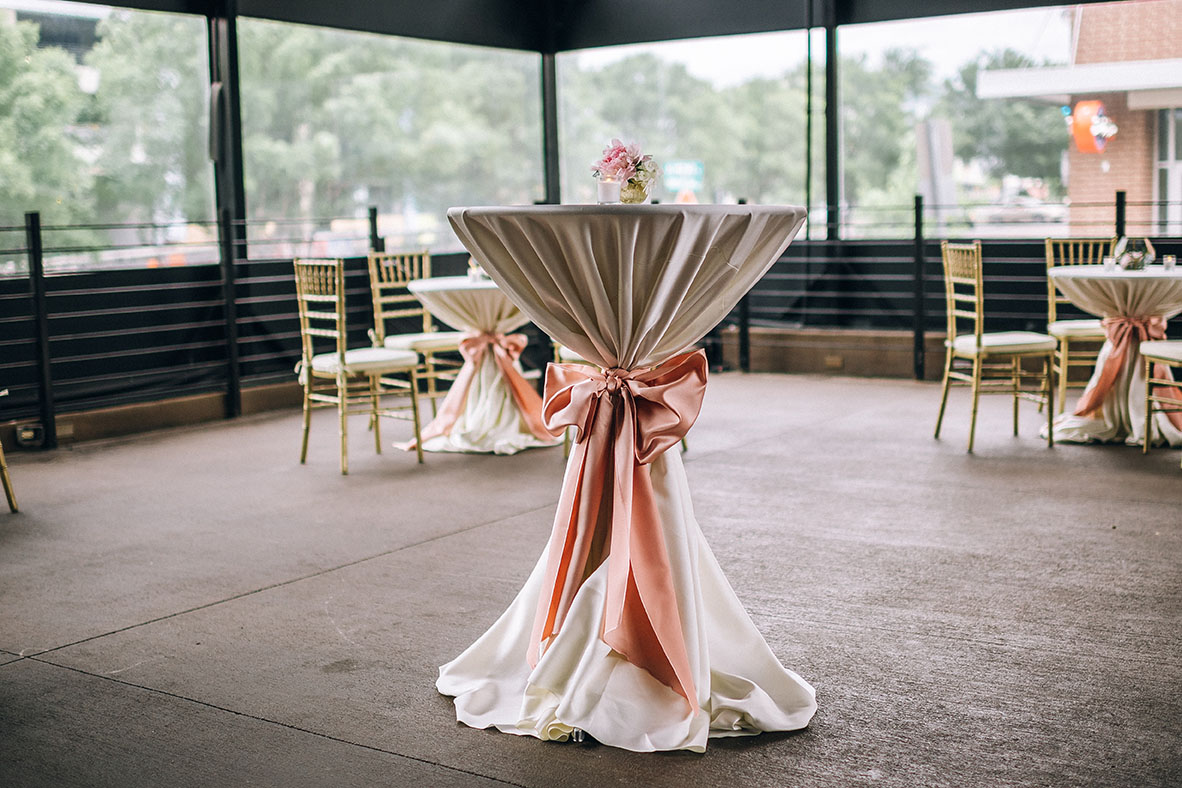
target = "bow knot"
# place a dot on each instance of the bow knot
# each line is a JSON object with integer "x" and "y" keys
{"x": 613, "y": 379}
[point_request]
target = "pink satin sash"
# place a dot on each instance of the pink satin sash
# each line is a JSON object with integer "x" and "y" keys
{"x": 506, "y": 349}
{"x": 1125, "y": 334}
{"x": 624, "y": 420}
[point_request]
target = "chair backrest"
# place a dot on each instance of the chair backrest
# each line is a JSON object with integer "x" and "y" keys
{"x": 320, "y": 294}
{"x": 1072, "y": 251}
{"x": 388, "y": 274}
{"x": 963, "y": 288}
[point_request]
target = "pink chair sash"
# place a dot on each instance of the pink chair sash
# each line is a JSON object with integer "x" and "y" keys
{"x": 1126, "y": 334}
{"x": 624, "y": 420}
{"x": 506, "y": 349}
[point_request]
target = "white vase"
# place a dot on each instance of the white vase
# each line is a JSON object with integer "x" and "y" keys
{"x": 608, "y": 192}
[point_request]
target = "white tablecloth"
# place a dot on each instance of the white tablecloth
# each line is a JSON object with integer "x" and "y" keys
{"x": 490, "y": 420}
{"x": 628, "y": 287}
{"x": 1110, "y": 294}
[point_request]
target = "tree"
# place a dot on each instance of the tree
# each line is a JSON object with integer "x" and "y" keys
{"x": 151, "y": 119}
{"x": 1012, "y": 137}
{"x": 39, "y": 103}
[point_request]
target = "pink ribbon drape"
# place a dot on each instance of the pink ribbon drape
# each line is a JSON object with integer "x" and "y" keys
{"x": 1126, "y": 334}
{"x": 624, "y": 420}
{"x": 506, "y": 349}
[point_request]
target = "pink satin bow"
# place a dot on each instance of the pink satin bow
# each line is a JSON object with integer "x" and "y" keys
{"x": 506, "y": 349}
{"x": 1126, "y": 334}
{"x": 625, "y": 420}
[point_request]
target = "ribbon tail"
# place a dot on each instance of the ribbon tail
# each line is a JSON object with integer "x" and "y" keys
{"x": 529, "y": 404}
{"x": 641, "y": 620}
{"x": 1121, "y": 335}
{"x": 453, "y": 403}
{"x": 571, "y": 541}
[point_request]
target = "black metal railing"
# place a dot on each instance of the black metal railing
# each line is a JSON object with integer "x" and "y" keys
{"x": 138, "y": 330}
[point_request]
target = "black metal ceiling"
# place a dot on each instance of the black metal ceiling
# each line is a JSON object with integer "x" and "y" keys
{"x": 561, "y": 25}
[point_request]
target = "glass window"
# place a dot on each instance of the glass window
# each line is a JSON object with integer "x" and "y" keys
{"x": 912, "y": 123}
{"x": 724, "y": 117}
{"x": 334, "y": 122}
{"x": 103, "y": 120}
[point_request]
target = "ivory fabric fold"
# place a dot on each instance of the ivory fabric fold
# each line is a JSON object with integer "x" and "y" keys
{"x": 627, "y": 627}
{"x": 1134, "y": 305}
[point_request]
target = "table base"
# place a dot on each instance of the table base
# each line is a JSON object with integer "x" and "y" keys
{"x": 491, "y": 422}
{"x": 581, "y": 684}
{"x": 1121, "y": 417}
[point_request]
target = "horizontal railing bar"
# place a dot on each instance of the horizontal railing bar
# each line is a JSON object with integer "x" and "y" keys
{"x": 124, "y": 310}
{"x": 129, "y": 226}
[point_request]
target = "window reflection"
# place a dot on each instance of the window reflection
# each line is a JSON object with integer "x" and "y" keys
{"x": 334, "y": 122}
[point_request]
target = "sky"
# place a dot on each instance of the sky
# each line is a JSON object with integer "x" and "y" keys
{"x": 948, "y": 42}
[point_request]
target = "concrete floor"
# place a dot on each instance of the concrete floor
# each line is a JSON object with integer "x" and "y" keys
{"x": 194, "y": 608}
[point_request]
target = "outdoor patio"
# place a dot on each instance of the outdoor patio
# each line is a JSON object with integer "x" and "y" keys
{"x": 193, "y": 607}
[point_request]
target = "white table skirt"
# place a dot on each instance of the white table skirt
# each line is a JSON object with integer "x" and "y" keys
{"x": 491, "y": 421}
{"x": 1149, "y": 292}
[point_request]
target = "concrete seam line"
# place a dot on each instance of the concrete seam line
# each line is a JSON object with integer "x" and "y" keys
{"x": 296, "y": 728}
{"x": 281, "y": 584}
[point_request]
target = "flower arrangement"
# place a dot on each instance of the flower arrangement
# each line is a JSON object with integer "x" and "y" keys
{"x": 622, "y": 162}
{"x": 634, "y": 171}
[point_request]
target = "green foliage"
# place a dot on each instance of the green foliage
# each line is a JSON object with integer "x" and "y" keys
{"x": 151, "y": 118}
{"x": 334, "y": 121}
{"x": 39, "y": 103}
{"x": 1010, "y": 136}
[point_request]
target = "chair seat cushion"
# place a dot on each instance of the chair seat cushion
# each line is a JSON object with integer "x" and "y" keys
{"x": 1076, "y": 329}
{"x": 1003, "y": 343}
{"x": 1164, "y": 349}
{"x": 426, "y": 341}
{"x": 367, "y": 360}
{"x": 568, "y": 356}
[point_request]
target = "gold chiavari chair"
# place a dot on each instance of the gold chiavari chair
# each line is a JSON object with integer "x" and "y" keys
{"x": 8, "y": 491}
{"x": 1168, "y": 353}
{"x": 1079, "y": 340}
{"x": 355, "y": 381}
{"x": 991, "y": 363}
{"x": 388, "y": 276}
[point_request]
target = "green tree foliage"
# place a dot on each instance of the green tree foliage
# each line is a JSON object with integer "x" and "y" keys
{"x": 880, "y": 106}
{"x": 333, "y": 121}
{"x": 40, "y": 169}
{"x": 151, "y": 119}
{"x": 1009, "y": 136}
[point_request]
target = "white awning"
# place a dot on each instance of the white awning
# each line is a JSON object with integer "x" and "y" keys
{"x": 1150, "y": 84}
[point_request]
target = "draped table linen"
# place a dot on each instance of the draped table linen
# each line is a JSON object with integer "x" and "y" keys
{"x": 490, "y": 407}
{"x": 1135, "y": 306}
{"x": 627, "y": 628}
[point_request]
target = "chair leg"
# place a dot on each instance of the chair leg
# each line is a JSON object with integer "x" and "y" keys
{"x": 373, "y": 415}
{"x": 414, "y": 409}
{"x": 944, "y": 392}
{"x": 1015, "y": 381}
{"x": 343, "y": 414}
{"x": 8, "y": 491}
{"x": 1049, "y": 372}
{"x": 1064, "y": 371}
{"x": 1148, "y": 408}
{"x": 976, "y": 395}
{"x": 307, "y": 419}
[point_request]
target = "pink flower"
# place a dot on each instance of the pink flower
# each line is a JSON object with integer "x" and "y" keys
{"x": 618, "y": 162}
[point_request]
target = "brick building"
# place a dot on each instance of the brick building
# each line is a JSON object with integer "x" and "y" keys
{"x": 1127, "y": 56}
